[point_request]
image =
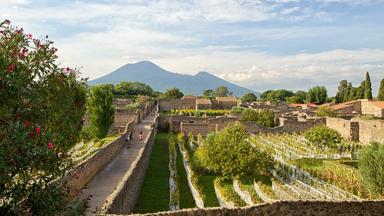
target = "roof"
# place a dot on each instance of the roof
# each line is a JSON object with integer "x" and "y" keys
{"x": 190, "y": 97}
{"x": 203, "y": 101}
{"x": 227, "y": 99}
{"x": 343, "y": 105}
{"x": 379, "y": 104}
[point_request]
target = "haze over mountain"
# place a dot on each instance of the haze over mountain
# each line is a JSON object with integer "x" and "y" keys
{"x": 161, "y": 80}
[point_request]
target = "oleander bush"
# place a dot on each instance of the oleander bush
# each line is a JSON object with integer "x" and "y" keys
{"x": 41, "y": 110}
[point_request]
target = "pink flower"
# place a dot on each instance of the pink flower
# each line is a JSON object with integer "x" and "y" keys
{"x": 67, "y": 69}
{"x": 11, "y": 68}
{"x": 50, "y": 145}
{"x": 30, "y": 36}
{"x": 31, "y": 135}
{"x": 7, "y": 22}
{"x": 38, "y": 130}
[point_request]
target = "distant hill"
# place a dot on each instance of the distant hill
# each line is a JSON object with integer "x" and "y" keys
{"x": 161, "y": 80}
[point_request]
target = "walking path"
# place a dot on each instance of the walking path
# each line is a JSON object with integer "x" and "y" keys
{"x": 104, "y": 182}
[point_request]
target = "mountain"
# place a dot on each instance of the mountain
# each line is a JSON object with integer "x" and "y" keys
{"x": 161, "y": 80}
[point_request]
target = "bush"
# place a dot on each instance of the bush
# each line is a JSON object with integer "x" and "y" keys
{"x": 41, "y": 110}
{"x": 229, "y": 152}
{"x": 101, "y": 110}
{"x": 371, "y": 165}
{"x": 264, "y": 117}
{"x": 325, "y": 111}
{"x": 323, "y": 136}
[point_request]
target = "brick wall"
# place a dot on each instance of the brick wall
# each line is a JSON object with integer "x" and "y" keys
{"x": 367, "y": 108}
{"x": 170, "y": 104}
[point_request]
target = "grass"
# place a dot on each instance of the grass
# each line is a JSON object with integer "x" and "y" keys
{"x": 154, "y": 194}
{"x": 209, "y": 195}
{"x": 247, "y": 185}
{"x": 229, "y": 193}
{"x": 186, "y": 198}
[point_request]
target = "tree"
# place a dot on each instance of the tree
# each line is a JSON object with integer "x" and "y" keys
{"x": 221, "y": 91}
{"x": 324, "y": 111}
{"x": 371, "y": 165}
{"x": 209, "y": 93}
{"x": 101, "y": 110}
{"x": 277, "y": 95}
{"x": 294, "y": 100}
{"x": 264, "y": 117}
{"x": 302, "y": 95}
{"x": 317, "y": 94}
{"x": 380, "y": 95}
{"x": 368, "y": 87}
{"x": 127, "y": 89}
{"x": 41, "y": 108}
{"x": 341, "y": 91}
{"x": 323, "y": 136}
{"x": 173, "y": 93}
{"x": 229, "y": 153}
{"x": 249, "y": 97}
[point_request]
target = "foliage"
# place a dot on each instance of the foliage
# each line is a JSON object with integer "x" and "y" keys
{"x": 317, "y": 94}
{"x": 324, "y": 111}
{"x": 323, "y": 136}
{"x": 380, "y": 95}
{"x": 368, "y": 87}
{"x": 263, "y": 117}
{"x": 302, "y": 95}
{"x": 230, "y": 153}
{"x": 127, "y": 89}
{"x": 172, "y": 93}
{"x": 209, "y": 94}
{"x": 371, "y": 165}
{"x": 249, "y": 97}
{"x": 236, "y": 110}
{"x": 276, "y": 95}
{"x": 101, "y": 110}
{"x": 222, "y": 91}
{"x": 294, "y": 100}
{"x": 41, "y": 109}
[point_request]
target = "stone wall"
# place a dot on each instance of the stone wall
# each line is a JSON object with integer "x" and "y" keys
{"x": 170, "y": 104}
{"x": 302, "y": 208}
{"x": 367, "y": 108}
{"x": 124, "y": 197}
{"x": 122, "y": 116}
{"x": 348, "y": 129}
{"x": 197, "y": 128}
{"x": 370, "y": 130}
{"x": 80, "y": 176}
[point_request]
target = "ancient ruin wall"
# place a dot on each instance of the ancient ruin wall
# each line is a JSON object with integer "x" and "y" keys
{"x": 170, "y": 104}
{"x": 370, "y": 130}
{"x": 124, "y": 197}
{"x": 302, "y": 208}
{"x": 367, "y": 108}
{"x": 348, "y": 129}
{"x": 80, "y": 176}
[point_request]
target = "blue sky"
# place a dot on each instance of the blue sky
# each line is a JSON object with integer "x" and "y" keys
{"x": 260, "y": 44}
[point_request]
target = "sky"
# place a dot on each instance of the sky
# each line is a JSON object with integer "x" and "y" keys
{"x": 259, "y": 44}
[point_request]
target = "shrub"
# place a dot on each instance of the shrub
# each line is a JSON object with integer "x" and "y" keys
{"x": 101, "y": 110}
{"x": 323, "y": 136}
{"x": 371, "y": 165}
{"x": 230, "y": 153}
{"x": 264, "y": 117}
{"x": 41, "y": 109}
{"x": 325, "y": 111}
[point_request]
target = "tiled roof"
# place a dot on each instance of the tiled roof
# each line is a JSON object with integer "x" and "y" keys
{"x": 203, "y": 101}
{"x": 379, "y": 104}
{"x": 231, "y": 99}
{"x": 343, "y": 105}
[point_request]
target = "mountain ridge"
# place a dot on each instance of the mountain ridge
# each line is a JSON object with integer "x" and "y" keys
{"x": 161, "y": 80}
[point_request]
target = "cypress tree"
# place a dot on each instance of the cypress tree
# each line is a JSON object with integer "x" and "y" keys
{"x": 368, "y": 88}
{"x": 380, "y": 96}
{"x": 362, "y": 90}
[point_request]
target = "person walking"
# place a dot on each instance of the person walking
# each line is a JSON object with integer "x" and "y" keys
{"x": 141, "y": 135}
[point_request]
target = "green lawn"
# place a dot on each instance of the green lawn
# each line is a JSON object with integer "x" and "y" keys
{"x": 186, "y": 198}
{"x": 154, "y": 194}
{"x": 206, "y": 183}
